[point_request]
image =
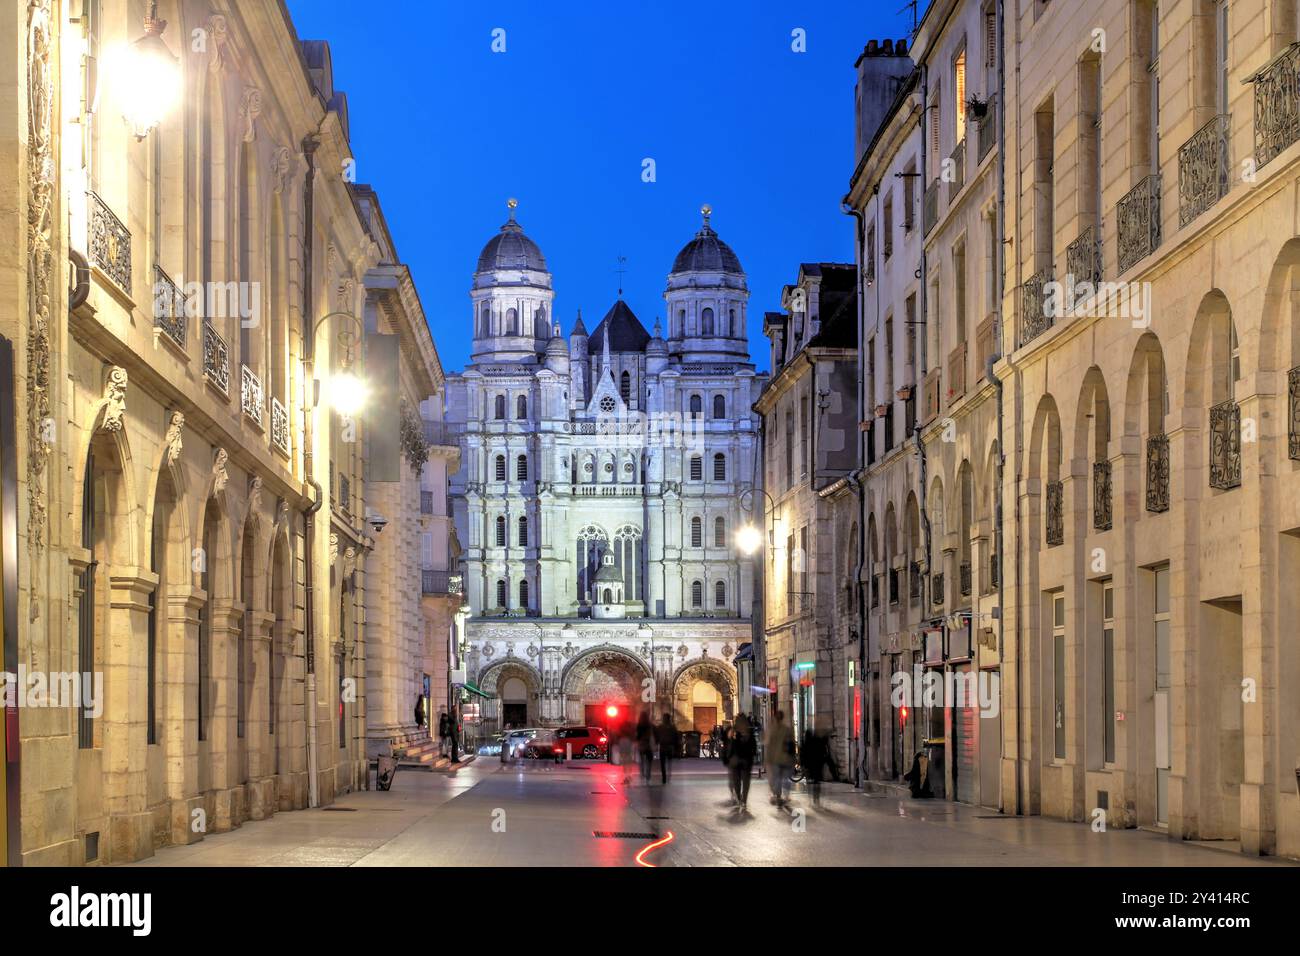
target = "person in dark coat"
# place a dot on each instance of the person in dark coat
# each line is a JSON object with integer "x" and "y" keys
{"x": 814, "y": 755}
{"x": 645, "y": 745}
{"x": 669, "y": 740}
{"x": 443, "y": 732}
{"x": 452, "y": 732}
{"x": 419, "y": 711}
{"x": 918, "y": 778}
{"x": 739, "y": 750}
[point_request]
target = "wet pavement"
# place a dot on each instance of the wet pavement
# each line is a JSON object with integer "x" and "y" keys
{"x": 487, "y": 814}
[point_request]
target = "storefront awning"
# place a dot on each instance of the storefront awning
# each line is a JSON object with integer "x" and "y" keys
{"x": 474, "y": 690}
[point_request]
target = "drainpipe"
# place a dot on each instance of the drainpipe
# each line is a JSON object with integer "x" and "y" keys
{"x": 309, "y": 145}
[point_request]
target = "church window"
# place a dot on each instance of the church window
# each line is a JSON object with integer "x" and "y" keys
{"x": 607, "y": 404}
{"x": 681, "y": 322}
{"x": 499, "y": 409}
{"x": 523, "y": 595}
{"x": 512, "y": 321}
{"x": 521, "y": 407}
{"x": 501, "y": 593}
{"x": 719, "y": 532}
{"x": 625, "y": 386}
{"x": 697, "y": 405}
{"x": 697, "y": 594}
{"x": 719, "y": 467}
{"x": 500, "y": 471}
{"x": 720, "y": 594}
{"x": 731, "y": 331}
{"x": 719, "y": 407}
{"x": 609, "y": 468}
{"x": 523, "y": 532}
{"x": 501, "y": 531}
{"x": 485, "y": 322}
{"x": 609, "y": 596}
{"x": 697, "y": 468}
{"x": 706, "y": 322}
{"x": 697, "y": 533}
{"x": 521, "y": 468}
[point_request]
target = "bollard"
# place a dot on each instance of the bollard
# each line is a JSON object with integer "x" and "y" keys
{"x": 568, "y": 751}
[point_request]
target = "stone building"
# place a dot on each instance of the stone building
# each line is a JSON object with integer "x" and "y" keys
{"x": 1152, "y": 399}
{"x": 189, "y": 517}
{"x": 615, "y": 444}
{"x": 810, "y": 445}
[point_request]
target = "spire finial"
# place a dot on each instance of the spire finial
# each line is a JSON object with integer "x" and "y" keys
{"x": 622, "y": 268}
{"x": 658, "y": 328}
{"x": 511, "y": 203}
{"x": 706, "y": 211}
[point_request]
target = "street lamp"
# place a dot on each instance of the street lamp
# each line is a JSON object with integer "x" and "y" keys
{"x": 151, "y": 77}
{"x": 751, "y": 542}
{"x": 749, "y": 539}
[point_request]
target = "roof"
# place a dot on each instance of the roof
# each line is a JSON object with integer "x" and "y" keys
{"x": 837, "y": 308}
{"x": 511, "y": 249}
{"x": 626, "y": 333}
{"x": 706, "y": 252}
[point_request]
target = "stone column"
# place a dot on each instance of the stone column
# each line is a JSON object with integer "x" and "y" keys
{"x": 179, "y": 670}
{"x": 223, "y": 744}
{"x": 257, "y": 736}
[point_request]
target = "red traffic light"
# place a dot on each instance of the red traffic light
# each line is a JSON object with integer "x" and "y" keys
{"x": 902, "y": 713}
{"x": 611, "y": 711}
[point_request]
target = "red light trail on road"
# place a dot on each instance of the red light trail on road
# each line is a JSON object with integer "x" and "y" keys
{"x": 667, "y": 838}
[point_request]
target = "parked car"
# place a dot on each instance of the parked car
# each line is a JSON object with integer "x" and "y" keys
{"x": 589, "y": 742}
{"x": 515, "y": 740}
{"x": 543, "y": 746}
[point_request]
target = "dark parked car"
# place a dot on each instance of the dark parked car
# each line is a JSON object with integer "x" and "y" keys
{"x": 543, "y": 747}
{"x": 589, "y": 742}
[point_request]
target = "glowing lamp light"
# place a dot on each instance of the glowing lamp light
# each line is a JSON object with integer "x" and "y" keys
{"x": 902, "y": 714}
{"x": 347, "y": 393}
{"x": 749, "y": 539}
{"x": 150, "y": 78}
{"x": 611, "y": 711}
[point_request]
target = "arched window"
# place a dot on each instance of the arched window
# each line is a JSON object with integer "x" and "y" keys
{"x": 521, "y": 468}
{"x": 523, "y": 532}
{"x": 697, "y": 405}
{"x": 719, "y": 407}
{"x": 731, "y": 331}
{"x": 512, "y": 321}
{"x": 499, "y": 409}
{"x": 521, "y": 407}
{"x": 697, "y": 594}
{"x": 523, "y": 594}
{"x": 485, "y": 321}
{"x": 501, "y": 531}
{"x": 720, "y": 594}
{"x": 697, "y": 468}
{"x": 706, "y": 322}
{"x": 625, "y": 386}
{"x": 500, "y": 472}
{"x": 607, "y": 596}
{"x": 719, "y": 532}
{"x": 681, "y": 322}
{"x": 501, "y": 593}
{"x": 697, "y": 533}
{"x": 719, "y": 467}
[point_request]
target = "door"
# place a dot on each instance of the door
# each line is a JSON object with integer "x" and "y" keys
{"x": 706, "y": 718}
{"x": 989, "y": 731}
{"x": 514, "y": 714}
{"x": 1163, "y": 722}
{"x": 965, "y": 742}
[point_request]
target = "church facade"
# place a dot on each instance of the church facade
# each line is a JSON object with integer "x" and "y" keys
{"x": 603, "y": 478}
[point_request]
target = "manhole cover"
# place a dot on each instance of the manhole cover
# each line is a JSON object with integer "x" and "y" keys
{"x": 624, "y": 835}
{"x": 658, "y": 818}
{"x": 341, "y": 809}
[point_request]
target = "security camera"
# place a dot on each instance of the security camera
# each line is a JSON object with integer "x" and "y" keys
{"x": 377, "y": 521}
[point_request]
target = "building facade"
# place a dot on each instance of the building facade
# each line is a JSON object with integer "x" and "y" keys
{"x": 188, "y": 535}
{"x": 599, "y": 493}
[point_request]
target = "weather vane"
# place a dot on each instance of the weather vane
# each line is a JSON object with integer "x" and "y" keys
{"x": 622, "y": 268}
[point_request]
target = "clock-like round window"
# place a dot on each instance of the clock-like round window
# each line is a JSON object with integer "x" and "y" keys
{"x": 609, "y": 467}
{"x": 607, "y": 404}
{"x": 627, "y": 467}
{"x": 586, "y": 466}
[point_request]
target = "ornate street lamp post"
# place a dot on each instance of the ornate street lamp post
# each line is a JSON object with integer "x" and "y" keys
{"x": 150, "y": 76}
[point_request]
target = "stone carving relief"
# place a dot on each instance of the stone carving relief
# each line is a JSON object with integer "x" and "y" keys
{"x": 255, "y": 496}
{"x": 568, "y": 650}
{"x": 281, "y": 163}
{"x": 489, "y": 650}
{"x": 726, "y": 651}
{"x": 173, "y": 438}
{"x": 334, "y": 548}
{"x": 250, "y": 108}
{"x": 682, "y": 651}
{"x": 219, "y": 475}
{"x": 114, "y": 400}
{"x": 221, "y": 50}
{"x": 532, "y": 650}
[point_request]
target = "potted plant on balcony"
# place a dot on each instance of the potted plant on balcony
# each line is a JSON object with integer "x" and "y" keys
{"x": 977, "y": 107}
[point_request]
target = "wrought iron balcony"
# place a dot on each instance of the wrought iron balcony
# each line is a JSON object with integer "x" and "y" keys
{"x": 994, "y": 571}
{"x": 964, "y": 578}
{"x": 914, "y": 581}
{"x": 250, "y": 392}
{"x": 1137, "y": 222}
{"x": 1034, "y": 320}
{"x": 1158, "y": 474}
{"x": 216, "y": 359}
{"x": 455, "y": 584}
{"x": 987, "y": 130}
{"x": 168, "y": 307}
{"x": 937, "y": 593}
{"x": 931, "y": 214}
{"x": 280, "y": 430}
{"x": 435, "y": 582}
{"x": 958, "y": 157}
{"x": 1203, "y": 175}
{"x": 1277, "y": 104}
{"x": 1101, "y": 507}
{"x": 1225, "y": 445}
{"x": 1293, "y": 413}
{"x": 439, "y": 433}
{"x": 110, "y": 243}
{"x": 796, "y": 602}
{"x": 345, "y": 494}
{"x": 893, "y": 585}
{"x": 1083, "y": 258}
{"x": 1055, "y": 513}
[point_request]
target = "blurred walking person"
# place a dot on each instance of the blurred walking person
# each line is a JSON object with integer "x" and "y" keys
{"x": 814, "y": 755}
{"x": 453, "y": 732}
{"x": 669, "y": 740}
{"x": 738, "y": 753}
{"x": 645, "y": 745}
{"x": 778, "y": 753}
{"x": 443, "y": 733}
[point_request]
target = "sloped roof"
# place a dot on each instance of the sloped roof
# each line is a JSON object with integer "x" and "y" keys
{"x": 626, "y": 333}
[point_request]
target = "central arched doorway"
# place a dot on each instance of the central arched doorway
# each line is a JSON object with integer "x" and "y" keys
{"x": 604, "y": 687}
{"x": 511, "y": 688}
{"x": 703, "y": 695}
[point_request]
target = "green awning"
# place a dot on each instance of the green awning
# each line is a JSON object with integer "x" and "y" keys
{"x": 474, "y": 690}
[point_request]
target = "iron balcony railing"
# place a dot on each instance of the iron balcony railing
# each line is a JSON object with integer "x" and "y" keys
{"x": 964, "y": 578}
{"x": 1083, "y": 259}
{"x": 1293, "y": 410}
{"x": 168, "y": 307}
{"x": 435, "y": 582}
{"x": 110, "y": 243}
{"x": 987, "y": 129}
{"x": 1225, "y": 445}
{"x": 439, "y": 433}
{"x": 250, "y": 391}
{"x": 1277, "y": 105}
{"x": 994, "y": 571}
{"x": 1055, "y": 513}
{"x": 798, "y": 601}
{"x": 280, "y": 430}
{"x": 1137, "y": 222}
{"x": 1158, "y": 473}
{"x": 345, "y": 494}
{"x": 1101, "y": 507}
{"x": 931, "y": 213}
{"x": 216, "y": 359}
{"x": 958, "y": 157}
{"x": 1203, "y": 174}
{"x": 1034, "y": 317}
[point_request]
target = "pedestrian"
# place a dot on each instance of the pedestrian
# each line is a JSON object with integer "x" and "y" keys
{"x": 738, "y": 750}
{"x": 814, "y": 756}
{"x": 626, "y": 743}
{"x": 453, "y": 718}
{"x": 669, "y": 740}
{"x": 918, "y": 778}
{"x": 443, "y": 733}
{"x": 778, "y": 752}
{"x": 645, "y": 745}
{"x": 419, "y": 711}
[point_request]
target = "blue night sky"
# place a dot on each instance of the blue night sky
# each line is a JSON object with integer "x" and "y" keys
{"x": 446, "y": 130}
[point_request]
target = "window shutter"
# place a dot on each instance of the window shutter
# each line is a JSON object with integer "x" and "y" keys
{"x": 990, "y": 40}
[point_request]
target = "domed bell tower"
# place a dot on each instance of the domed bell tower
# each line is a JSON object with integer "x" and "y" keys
{"x": 707, "y": 296}
{"x": 512, "y": 297}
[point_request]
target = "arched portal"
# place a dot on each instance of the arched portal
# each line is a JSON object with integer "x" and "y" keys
{"x": 602, "y": 678}
{"x": 703, "y": 694}
{"x": 512, "y": 688}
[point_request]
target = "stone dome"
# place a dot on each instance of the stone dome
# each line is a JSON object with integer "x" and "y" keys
{"x": 511, "y": 249}
{"x": 706, "y": 252}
